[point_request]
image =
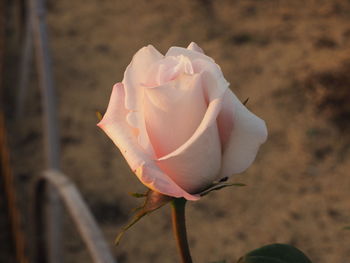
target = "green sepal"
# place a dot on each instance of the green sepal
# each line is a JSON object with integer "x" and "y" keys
{"x": 218, "y": 186}
{"x": 99, "y": 115}
{"x": 138, "y": 195}
{"x": 246, "y": 101}
{"x": 275, "y": 253}
{"x": 153, "y": 201}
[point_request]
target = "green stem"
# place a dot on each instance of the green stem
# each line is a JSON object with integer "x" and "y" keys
{"x": 179, "y": 227}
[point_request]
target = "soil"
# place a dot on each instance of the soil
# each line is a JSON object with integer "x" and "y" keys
{"x": 291, "y": 58}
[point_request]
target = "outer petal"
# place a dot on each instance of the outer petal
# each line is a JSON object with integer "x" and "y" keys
{"x": 155, "y": 179}
{"x": 245, "y": 137}
{"x": 123, "y": 135}
{"x": 173, "y": 112}
{"x": 134, "y": 76}
{"x": 196, "y": 164}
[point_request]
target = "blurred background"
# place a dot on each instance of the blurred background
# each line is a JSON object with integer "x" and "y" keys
{"x": 291, "y": 58}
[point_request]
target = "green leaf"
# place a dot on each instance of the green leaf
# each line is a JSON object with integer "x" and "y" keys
{"x": 220, "y": 261}
{"x": 153, "y": 201}
{"x": 275, "y": 253}
{"x": 346, "y": 228}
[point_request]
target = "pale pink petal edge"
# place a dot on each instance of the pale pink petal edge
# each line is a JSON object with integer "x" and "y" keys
{"x": 151, "y": 176}
{"x": 208, "y": 120}
{"x": 247, "y": 135}
{"x": 115, "y": 126}
{"x": 194, "y": 47}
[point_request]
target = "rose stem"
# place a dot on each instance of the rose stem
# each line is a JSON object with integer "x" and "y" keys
{"x": 179, "y": 227}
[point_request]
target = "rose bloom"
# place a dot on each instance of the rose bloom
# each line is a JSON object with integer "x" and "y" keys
{"x": 178, "y": 124}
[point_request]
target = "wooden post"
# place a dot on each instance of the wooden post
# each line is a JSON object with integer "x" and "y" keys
{"x": 24, "y": 67}
{"x": 77, "y": 209}
{"x": 37, "y": 14}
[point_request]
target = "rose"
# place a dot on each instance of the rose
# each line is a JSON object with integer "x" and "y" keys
{"x": 178, "y": 124}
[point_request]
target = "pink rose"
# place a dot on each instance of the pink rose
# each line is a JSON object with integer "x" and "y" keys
{"x": 178, "y": 124}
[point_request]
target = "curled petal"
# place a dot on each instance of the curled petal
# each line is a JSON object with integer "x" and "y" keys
{"x": 173, "y": 112}
{"x": 245, "y": 133}
{"x": 196, "y": 164}
{"x": 134, "y": 76}
{"x": 214, "y": 83}
{"x": 168, "y": 69}
{"x": 122, "y": 134}
{"x": 157, "y": 180}
{"x": 202, "y": 64}
{"x": 226, "y": 120}
{"x": 190, "y": 52}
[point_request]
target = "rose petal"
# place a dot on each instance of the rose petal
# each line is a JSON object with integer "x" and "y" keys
{"x": 154, "y": 178}
{"x": 134, "y": 76}
{"x": 191, "y": 54}
{"x": 202, "y": 64}
{"x": 214, "y": 82}
{"x": 196, "y": 164}
{"x": 226, "y": 120}
{"x": 173, "y": 112}
{"x": 248, "y": 133}
{"x": 168, "y": 69}
{"x": 194, "y": 47}
{"x": 116, "y": 127}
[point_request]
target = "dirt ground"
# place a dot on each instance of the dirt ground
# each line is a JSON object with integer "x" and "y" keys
{"x": 291, "y": 58}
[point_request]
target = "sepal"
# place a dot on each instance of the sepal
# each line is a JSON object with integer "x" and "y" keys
{"x": 153, "y": 201}
{"x": 219, "y": 185}
{"x": 99, "y": 115}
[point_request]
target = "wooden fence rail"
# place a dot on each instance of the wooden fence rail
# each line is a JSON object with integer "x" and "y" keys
{"x": 52, "y": 189}
{"x": 77, "y": 209}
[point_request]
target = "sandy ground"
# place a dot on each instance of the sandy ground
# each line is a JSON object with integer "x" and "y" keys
{"x": 290, "y": 58}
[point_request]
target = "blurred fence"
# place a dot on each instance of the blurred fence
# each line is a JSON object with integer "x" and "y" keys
{"x": 77, "y": 209}
{"x": 52, "y": 192}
